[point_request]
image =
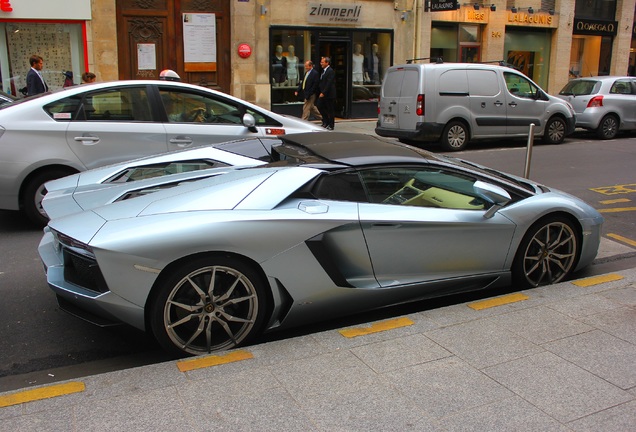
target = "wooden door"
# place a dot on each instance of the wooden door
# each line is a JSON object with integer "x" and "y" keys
{"x": 150, "y": 39}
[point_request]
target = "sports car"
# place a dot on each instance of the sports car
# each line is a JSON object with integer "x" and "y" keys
{"x": 339, "y": 223}
{"x": 100, "y": 186}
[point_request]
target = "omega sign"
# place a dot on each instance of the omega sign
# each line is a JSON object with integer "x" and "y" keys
{"x": 595, "y": 27}
{"x": 341, "y": 13}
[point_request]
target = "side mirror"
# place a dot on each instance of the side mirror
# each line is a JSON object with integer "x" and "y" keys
{"x": 495, "y": 195}
{"x": 249, "y": 122}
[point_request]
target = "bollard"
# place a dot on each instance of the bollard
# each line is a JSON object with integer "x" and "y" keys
{"x": 526, "y": 173}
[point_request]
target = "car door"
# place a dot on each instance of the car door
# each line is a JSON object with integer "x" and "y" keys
{"x": 622, "y": 100}
{"x": 399, "y": 99}
{"x": 114, "y": 125}
{"x": 195, "y": 118}
{"x": 487, "y": 103}
{"x": 523, "y": 105}
{"x": 428, "y": 224}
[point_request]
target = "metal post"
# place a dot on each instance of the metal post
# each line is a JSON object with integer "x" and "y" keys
{"x": 526, "y": 173}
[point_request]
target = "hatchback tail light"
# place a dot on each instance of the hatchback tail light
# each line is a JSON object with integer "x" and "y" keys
{"x": 596, "y": 101}
{"x": 419, "y": 107}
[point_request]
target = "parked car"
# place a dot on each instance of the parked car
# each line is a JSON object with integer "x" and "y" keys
{"x": 82, "y": 127}
{"x": 340, "y": 223}
{"x": 100, "y": 186}
{"x": 455, "y": 103}
{"x": 603, "y": 104}
{"x": 6, "y": 99}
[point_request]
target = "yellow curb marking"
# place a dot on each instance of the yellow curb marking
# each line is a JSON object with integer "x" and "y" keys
{"x": 41, "y": 393}
{"x": 499, "y": 301}
{"x": 597, "y": 280}
{"x": 376, "y": 328}
{"x": 616, "y": 210}
{"x": 616, "y": 201}
{"x": 623, "y": 239}
{"x": 208, "y": 361}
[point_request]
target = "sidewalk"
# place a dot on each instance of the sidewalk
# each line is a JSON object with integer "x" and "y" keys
{"x": 560, "y": 357}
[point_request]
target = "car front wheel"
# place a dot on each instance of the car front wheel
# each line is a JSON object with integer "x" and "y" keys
{"x": 34, "y": 192}
{"x": 608, "y": 128}
{"x": 547, "y": 253}
{"x": 207, "y": 305}
{"x": 554, "y": 131}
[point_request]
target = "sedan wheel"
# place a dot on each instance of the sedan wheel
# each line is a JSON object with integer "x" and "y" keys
{"x": 547, "y": 253}
{"x": 34, "y": 192}
{"x": 608, "y": 127}
{"x": 208, "y": 306}
{"x": 554, "y": 131}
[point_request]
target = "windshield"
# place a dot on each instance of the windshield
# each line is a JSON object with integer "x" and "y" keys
{"x": 580, "y": 88}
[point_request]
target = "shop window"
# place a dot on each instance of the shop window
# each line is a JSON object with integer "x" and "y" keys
{"x": 60, "y": 45}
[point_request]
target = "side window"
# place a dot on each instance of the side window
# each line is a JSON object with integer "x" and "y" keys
{"x": 64, "y": 109}
{"x": 519, "y": 86}
{"x": 340, "y": 187}
{"x": 621, "y": 87}
{"x": 125, "y": 104}
{"x": 454, "y": 82}
{"x": 192, "y": 107}
{"x": 422, "y": 188}
{"x": 483, "y": 83}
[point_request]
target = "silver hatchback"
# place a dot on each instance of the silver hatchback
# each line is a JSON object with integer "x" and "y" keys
{"x": 603, "y": 104}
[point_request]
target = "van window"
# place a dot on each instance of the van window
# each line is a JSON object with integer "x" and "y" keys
{"x": 483, "y": 83}
{"x": 453, "y": 82}
{"x": 410, "y": 85}
{"x": 393, "y": 83}
{"x": 519, "y": 86}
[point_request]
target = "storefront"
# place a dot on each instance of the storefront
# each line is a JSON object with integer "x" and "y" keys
{"x": 359, "y": 58}
{"x": 593, "y": 34}
{"x": 42, "y": 27}
{"x": 528, "y": 42}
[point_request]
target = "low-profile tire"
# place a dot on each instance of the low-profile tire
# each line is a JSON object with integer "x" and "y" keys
{"x": 608, "y": 127}
{"x": 554, "y": 131}
{"x": 33, "y": 194}
{"x": 208, "y": 304}
{"x": 547, "y": 254}
{"x": 455, "y": 136}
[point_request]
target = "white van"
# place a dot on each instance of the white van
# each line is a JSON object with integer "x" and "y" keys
{"x": 457, "y": 102}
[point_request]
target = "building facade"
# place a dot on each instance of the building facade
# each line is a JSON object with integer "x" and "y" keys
{"x": 255, "y": 49}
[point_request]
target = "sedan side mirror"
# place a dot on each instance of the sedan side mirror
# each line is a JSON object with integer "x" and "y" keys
{"x": 249, "y": 122}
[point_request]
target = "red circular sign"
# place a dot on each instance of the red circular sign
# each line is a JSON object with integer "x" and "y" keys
{"x": 244, "y": 50}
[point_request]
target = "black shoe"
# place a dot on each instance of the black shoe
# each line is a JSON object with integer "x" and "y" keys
{"x": 328, "y": 128}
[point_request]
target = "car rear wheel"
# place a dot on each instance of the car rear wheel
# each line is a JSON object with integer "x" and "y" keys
{"x": 34, "y": 192}
{"x": 608, "y": 128}
{"x": 207, "y": 305}
{"x": 554, "y": 131}
{"x": 455, "y": 136}
{"x": 547, "y": 253}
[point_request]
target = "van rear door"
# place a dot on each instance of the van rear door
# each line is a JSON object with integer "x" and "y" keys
{"x": 398, "y": 101}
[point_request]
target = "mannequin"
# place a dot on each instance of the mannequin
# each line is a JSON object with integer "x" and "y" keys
{"x": 279, "y": 67}
{"x": 357, "y": 63}
{"x": 292, "y": 67}
{"x": 373, "y": 67}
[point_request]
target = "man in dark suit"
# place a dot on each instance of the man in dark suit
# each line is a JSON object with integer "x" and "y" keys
{"x": 34, "y": 80}
{"x": 308, "y": 89}
{"x": 327, "y": 95}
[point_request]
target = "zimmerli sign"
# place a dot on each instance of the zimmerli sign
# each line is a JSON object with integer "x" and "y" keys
{"x": 341, "y": 13}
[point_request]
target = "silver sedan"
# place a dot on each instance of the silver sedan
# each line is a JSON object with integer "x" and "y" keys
{"x": 82, "y": 127}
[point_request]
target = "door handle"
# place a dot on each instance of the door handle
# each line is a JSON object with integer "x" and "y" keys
{"x": 393, "y": 103}
{"x": 513, "y": 104}
{"x": 498, "y": 103}
{"x": 181, "y": 142}
{"x": 87, "y": 140}
{"x": 386, "y": 225}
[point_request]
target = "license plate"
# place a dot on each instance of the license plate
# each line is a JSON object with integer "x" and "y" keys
{"x": 389, "y": 119}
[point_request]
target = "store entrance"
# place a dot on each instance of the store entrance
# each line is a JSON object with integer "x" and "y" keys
{"x": 339, "y": 52}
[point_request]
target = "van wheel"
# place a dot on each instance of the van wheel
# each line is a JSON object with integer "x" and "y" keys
{"x": 455, "y": 136}
{"x": 554, "y": 131}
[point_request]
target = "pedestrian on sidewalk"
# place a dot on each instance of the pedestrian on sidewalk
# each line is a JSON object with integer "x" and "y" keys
{"x": 327, "y": 95}
{"x": 308, "y": 90}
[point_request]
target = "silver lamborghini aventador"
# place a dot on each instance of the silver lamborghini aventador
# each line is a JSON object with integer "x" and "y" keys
{"x": 339, "y": 223}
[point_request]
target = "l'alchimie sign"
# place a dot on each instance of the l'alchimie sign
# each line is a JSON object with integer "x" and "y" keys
{"x": 341, "y": 13}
